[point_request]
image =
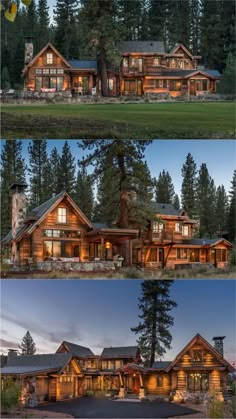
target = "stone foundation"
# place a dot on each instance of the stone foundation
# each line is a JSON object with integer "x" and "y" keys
{"x": 49, "y": 266}
{"x": 142, "y": 394}
{"x": 196, "y": 397}
{"x": 122, "y": 393}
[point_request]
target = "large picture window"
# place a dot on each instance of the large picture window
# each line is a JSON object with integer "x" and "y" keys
{"x": 49, "y": 83}
{"x": 182, "y": 253}
{"x": 198, "y": 381}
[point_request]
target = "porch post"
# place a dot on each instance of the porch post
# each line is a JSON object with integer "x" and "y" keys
{"x": 142, "y": 389}
{"x": 102, "y": 249}
{"x": 58, "y": 394}
{"x": 130, "y": 252}
{"x": 122, "y": 386}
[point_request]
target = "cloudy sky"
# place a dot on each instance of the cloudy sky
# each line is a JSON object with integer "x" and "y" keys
{"x": 219, "y": 155}
{"x": 100, "y": 313}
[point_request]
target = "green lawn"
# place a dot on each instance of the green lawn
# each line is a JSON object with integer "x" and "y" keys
{"x": 149, "y": 120}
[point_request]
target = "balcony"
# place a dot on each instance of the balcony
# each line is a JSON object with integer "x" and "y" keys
{"x": 161, "y": 236}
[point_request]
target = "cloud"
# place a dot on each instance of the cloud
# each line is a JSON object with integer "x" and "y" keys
{"x": 8, "y": 344}
{"x": 68, "y": 332}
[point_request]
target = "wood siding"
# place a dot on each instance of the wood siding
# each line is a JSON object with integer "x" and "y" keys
{"x": 151, "y": 381}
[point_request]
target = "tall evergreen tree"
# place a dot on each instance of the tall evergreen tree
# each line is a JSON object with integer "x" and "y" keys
{"x": 27, "y": 346}
{"x": 43, "y": 32}
{"x": 66, "y": 30}
{"x": 212, "y": 34}
{"x": 227, "y": 83}
{"x": 188, "y": 188}
{"x": 37, "y": 165}
{"x": 130, "y": 19}
{"x": 221, "y": 210}
{"x": 157, "y": 13}
{"x": 164, "y": 188}
{"x": 195, "y": 18}
{"x": 155, "y": 306}
{"x": 232, "y": 210}
{"x": 66, "y": 171}
{"x": 176, "y": 202}
{"x": 54, "y": 162}
{"x": 124, "y": 156}
{"x": 84, "y": 192}
{"x": 12, "y": 170}
{"x": 97, "y": 18}
{"x": 205, "y": 202}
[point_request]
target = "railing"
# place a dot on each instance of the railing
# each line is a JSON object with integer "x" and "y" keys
{"x": 162, "y": 235}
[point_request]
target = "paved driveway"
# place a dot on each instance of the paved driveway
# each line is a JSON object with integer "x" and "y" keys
{"x": 86, "y": 407}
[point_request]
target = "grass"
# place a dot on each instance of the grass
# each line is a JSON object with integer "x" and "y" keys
{"x": 149, "y": 120}
{"x": 127, "y": 273}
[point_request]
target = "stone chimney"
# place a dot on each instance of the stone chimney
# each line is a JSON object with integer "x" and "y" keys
{"x": 11, "y": 354}
{"x": 218, "y": 344}
{"x": 18, "y": 213}
{"x": 29, "y": 49}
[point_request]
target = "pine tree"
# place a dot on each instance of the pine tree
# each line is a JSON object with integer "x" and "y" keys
{"x": 100, "y": 32}
{"x": 27, "y": 346}
{"x": 84, "y": 192}
{"x": 205, "y": 202}
{"x": 157, "y": 23}
{"x": 38, "y": 161}
{"x": 212, "y": 34}
{"x": 155, "y": 306}
{"x": 123, "y": 157}
{"x": 54, "y": 161}
{"x": 43, "y": 32}
{"x": 195, "y": 17}
{"x": 188, "y": 188}
{"x": 221, "y": 210}
{"x": 164, "y": 188}
{"x": 130, "y": 19}
{"x": 5, "y": 79}
{"x": 227, "y": 83}
{"x": 232, "y": 210}
{"x": 65, "y": 37}
{"x": 176, "y": 202}
{"x": 12, "y": 170}
{"x": 66, "y": 171}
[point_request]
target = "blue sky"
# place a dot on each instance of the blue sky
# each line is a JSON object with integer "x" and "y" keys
{"x": 100, "y": 313}
{"x": 219, "y": 155}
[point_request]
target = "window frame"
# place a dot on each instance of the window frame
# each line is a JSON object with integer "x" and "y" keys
{"x": 49, "y": 58}
{"x": 62, "y": 216}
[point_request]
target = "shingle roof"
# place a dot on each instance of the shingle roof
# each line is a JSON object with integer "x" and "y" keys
{"x": 100, "y": 225}
{"x": 39, "y": 211}
{"x": 25, "y": 370}
{"x": 201, "y": 241}
{"x": 83, "y": 64}
{"x": 165, "y": 209}
{"x": 45, "y": 361}
{"x": 141, "y": 46}
{"x": 183, "y": 73}
{"x": 123, "y": 351}
{"x": 78, "y": 350}
{"x": 161, "y": 365}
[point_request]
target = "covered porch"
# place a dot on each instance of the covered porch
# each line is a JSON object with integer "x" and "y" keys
{"x": 132, "y": 380}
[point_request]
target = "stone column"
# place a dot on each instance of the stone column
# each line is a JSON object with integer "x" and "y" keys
{"x": 142, "y": 391}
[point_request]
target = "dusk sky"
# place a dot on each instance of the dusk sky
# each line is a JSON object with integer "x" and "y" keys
{"x": 219, "y": 155}
{"x": 100, "y": 313}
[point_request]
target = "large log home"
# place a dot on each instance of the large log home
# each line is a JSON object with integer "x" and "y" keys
{"x": 169, "y": 242}
{"x": 145, "y": 69}
{"x": 49, "y": 71}
{"x": 58, "y": 230}
{"x": 197, "y": 371}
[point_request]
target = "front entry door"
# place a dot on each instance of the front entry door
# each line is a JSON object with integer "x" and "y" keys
{"x": 192, "y": 87}
{"x": 139, "y": 87}
{"x": 213, "y": 257}
{"x": 136, "y": 384}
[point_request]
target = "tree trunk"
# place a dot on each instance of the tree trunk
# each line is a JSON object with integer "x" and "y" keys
{"x": 103, "y": 67}
{"x": 123, "y": 222}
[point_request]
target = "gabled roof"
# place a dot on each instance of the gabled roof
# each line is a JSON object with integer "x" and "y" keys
{"x": 207, "y": 242}
{"x": 27, "y": 363}
{"x": 48, "y": 45}
{"x": 83, "y": 64}
{"x": 76, "y": 350}
{"x": 175, "y": 49}
{"x": 199, "y": 339}
{"x": 176, "y": 72}
{"x": 39, "y": 213}
{"x": 141, "y": 46}
{"x": 165, "y": 209}
{"x": 123, "y": 351}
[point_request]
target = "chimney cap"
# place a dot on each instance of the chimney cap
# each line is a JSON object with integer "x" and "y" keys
{"x": 18, "y": 186}
{"x": 219, "y": 338}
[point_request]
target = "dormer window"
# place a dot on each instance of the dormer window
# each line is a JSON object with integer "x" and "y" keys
{"x": 156, "y": 61}
{"x": 185, "y": 230}
{"x": 177, "y": 227}
{"x": 61, "y": 215}
{"x": 49, "y": 58}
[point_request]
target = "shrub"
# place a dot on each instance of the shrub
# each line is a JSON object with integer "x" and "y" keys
{"x": 232, "y": 257}
{"x": 10, "y": 394}
{"x": 89, "y": 393}
{"x": 216, "y": 407}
